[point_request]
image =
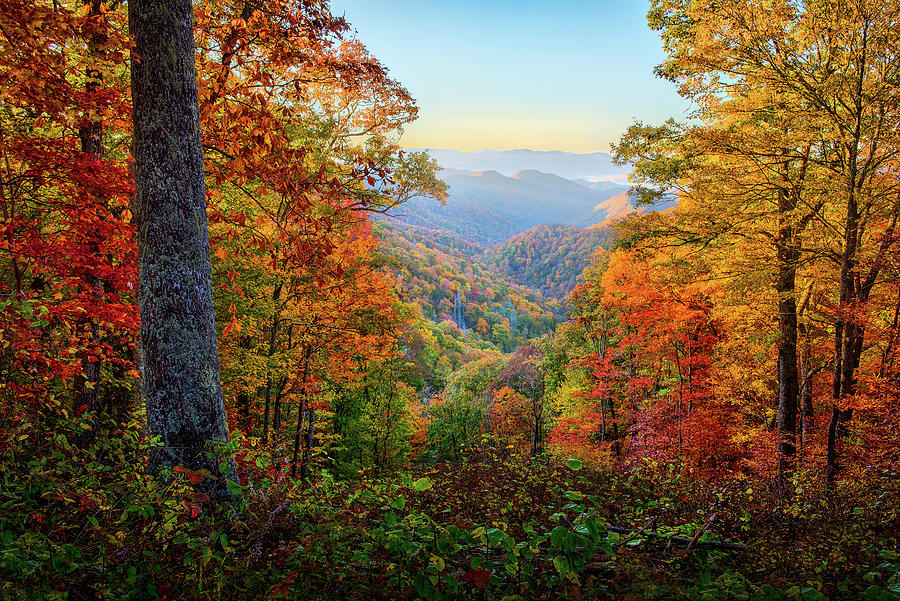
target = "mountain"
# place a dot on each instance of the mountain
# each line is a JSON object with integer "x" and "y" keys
{"x": 611, "y": 208}
{"x": 569, "y": 165}
{"x": 487, "y": 207}
{"x": 470, "y": 220}
{"x": 602, "y": 186}
{"x": 527, "y": 198}
{"x": 549, "y": 258}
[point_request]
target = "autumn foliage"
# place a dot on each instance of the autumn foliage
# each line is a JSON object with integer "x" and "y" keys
{"x": 712, "y": 413}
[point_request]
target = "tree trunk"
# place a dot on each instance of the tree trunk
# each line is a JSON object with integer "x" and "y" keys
{"x": 243, "y": 407}
{"x": 844, "y": 341}
{"x": 273, "y": 340}
{"x": 887, "y": 357}
{"x": 304, "y": 469}
{"x": 788, "y": 254}
{"x": 307, "y": 353}
{"x": 603, "y": 418}
{"x": 90, "y": 133}
{"x": 807, "y": 412}
{"x": 852, "y": 332}
{"x": 298, "y": 434}
{"x": 276, "y": 414}
{"x": 181, "y": 382}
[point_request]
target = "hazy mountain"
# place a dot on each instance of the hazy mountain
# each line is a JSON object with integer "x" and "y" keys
{"x": 611, "y": 208}
{"x": 486, "y": 207}
{"x": 495, "y": 195}
{"x": 569, "y": 165}
{"x": 528, "y": 197}
{"x": 604, "y": 186}
{"x": 470, "y": 220}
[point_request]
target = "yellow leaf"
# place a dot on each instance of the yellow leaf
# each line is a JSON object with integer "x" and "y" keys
{"x": 438, "y": 562}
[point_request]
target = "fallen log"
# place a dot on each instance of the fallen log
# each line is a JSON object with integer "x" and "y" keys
{"x": 680, "y": 541}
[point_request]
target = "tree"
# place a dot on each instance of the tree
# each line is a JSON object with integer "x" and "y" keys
{"x": 63, "y": 217}
{"x": 793, "y": 135}
{"x": 524, "y": 374}
{"x": 180, "y": 359}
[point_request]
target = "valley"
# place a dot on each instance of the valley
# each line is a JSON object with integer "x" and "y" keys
{"x": 491, "y": 267}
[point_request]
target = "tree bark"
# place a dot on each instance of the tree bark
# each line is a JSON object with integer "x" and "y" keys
{"x": 311, "y": 424}
{"x": 301, "y": 410}
{"x": 807, "y": 411}
{"x": 273, "y": 340}
{"x": 85, "y": 386}
{"x": 845, "y": 334}
{"x": 181, "y": 381}
{"x": 788, "y": 255}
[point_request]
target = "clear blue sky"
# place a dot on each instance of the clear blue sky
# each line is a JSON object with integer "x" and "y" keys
{"x": 566, "y": 75}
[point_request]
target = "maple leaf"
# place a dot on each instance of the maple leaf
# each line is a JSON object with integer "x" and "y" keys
{"x": 478, "y": 577}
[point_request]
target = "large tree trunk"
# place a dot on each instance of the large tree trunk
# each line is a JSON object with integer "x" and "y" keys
{"x": 807, "y": 411}
{"x": 849, "y": 333}
{"x": 181, "y": 364}
{"x": 845, "y": 332}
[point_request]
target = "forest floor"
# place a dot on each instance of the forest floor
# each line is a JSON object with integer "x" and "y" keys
{"x": 88, "y": 524}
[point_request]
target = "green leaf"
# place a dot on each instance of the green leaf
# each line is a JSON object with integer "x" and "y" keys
{"x": 561, "y": 563}
{"x": 574, "y": 464}
{"x": 422, "y": 484}
{"x": 558, "y": 535}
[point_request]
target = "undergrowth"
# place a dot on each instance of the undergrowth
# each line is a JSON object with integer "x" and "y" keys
{"x": 89, "y": 524}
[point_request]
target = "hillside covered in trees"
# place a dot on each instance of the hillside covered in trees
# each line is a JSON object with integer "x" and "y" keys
{"x": 549, "y": 258}
{"x": 451, "y": 287}
{"x": 227, "y": 373}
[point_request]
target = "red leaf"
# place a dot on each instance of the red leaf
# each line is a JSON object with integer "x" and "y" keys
{"x": 478, "y": 578}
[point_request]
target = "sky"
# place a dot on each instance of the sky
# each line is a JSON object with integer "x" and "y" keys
{"x": 501, "y": 74}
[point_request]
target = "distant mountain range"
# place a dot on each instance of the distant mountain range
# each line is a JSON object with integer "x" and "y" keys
{"x": 487, "y": 207}
{"x": 590, "y": 166}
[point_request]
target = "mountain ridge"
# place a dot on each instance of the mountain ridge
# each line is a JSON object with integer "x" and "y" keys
{"x": 569, "y": 165}
{"x": 486, "y": 207}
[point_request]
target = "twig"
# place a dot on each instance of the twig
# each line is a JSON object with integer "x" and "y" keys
{"x": 700, "y": 532}
{"x": 636, "y": 533}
